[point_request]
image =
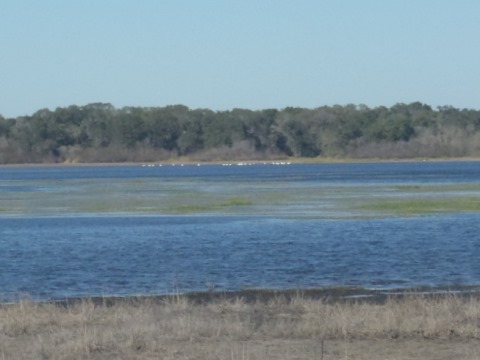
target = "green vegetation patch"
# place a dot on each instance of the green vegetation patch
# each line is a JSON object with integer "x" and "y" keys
{"x": 438, "y": 187}
{"x": 237, "y": 201}
{"x": 202, "y": 206}
{"x": 423, "y": 206}
{"x": 190, "y": 209}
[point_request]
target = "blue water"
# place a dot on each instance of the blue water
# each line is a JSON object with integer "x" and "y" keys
{"x": 422, "y": 172}
{"x": 82, "y": 255}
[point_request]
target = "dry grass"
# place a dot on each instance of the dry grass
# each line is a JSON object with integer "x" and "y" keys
{"x": 414, "y": 327}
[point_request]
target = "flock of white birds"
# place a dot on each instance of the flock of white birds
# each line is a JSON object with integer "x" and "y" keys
{"x": 223, "y": 164}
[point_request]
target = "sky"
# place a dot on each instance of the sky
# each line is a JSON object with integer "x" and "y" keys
{"x": 225, "y": 54}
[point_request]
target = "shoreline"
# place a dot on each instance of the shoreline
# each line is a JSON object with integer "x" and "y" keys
{"x": 333, "y": 294}
{"x": 189, "y": 162}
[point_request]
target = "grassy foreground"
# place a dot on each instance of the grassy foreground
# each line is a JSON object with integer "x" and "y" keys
{"x": 410, "y": 327}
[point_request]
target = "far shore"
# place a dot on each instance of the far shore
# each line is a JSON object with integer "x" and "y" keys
{"x": 186, "y": 161}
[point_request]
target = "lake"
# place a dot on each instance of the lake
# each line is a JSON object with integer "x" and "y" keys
{"x": 145, "y": 230}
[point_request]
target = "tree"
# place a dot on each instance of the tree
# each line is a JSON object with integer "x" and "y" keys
{"x": 396, "y": 127}
{"x": 258, "y": 127}
{"x": 132, "y": 127}
{"x": 191, "y": 137}
{"x": 4, "y": 127}
{"x": 97, "y": 127}
{"x": 163, "y": 129}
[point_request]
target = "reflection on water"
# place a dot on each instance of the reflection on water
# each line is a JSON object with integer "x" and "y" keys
{"x": 78, "y": 232}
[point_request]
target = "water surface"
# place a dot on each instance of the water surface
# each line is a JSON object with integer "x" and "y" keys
{"x": 83, "y": 231}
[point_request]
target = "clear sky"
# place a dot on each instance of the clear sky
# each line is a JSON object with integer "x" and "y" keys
{"x": 224, "y": 54}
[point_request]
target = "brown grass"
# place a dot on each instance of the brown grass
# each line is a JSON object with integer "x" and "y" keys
{"x": 413, "y": 327}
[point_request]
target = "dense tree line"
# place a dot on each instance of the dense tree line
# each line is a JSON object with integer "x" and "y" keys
{"x": 102, "y": 133}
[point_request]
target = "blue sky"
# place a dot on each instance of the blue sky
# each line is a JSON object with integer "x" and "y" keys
{"x": 228, "y": 54}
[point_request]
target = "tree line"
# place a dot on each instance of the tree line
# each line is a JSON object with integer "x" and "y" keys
{"x": 100, "y": 132}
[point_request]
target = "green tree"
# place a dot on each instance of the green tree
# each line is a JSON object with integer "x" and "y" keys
{"x": 299, "y": 139}
{"x": 98, "y": 128}
{"x": 163, "y": 129}
{"x": 221, "y": 129}
{"x": 396, "y": 127}
{"x": 5, "y": 126}
{"x": 258, "y": 127}
{"x": 191, "y": 137}
{"x": 132, "y": 127}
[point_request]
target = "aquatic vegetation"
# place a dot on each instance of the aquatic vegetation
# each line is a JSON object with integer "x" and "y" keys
{"x": 438, "y": 187}
{"x": 153, "y": 197}
{"x": 237, "y": 201}
{"x": 204, "y": 205}
{"x": 289, "y": 196}
{"x": 426, "y": 205}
